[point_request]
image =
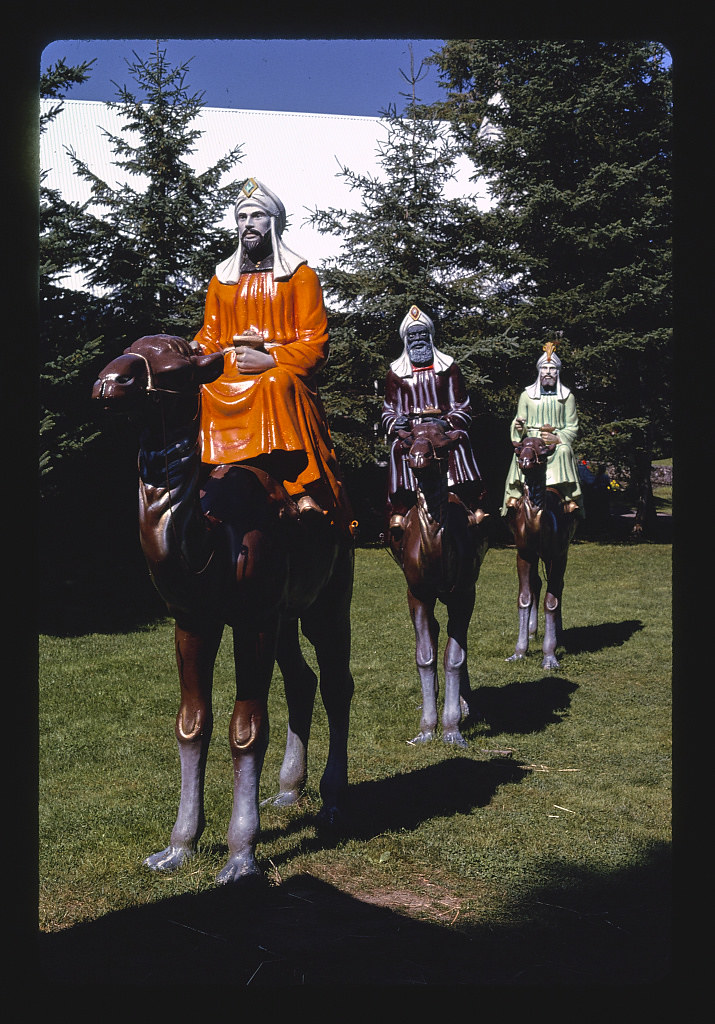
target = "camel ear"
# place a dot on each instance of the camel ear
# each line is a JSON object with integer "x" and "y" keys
{"x": 208, "y": 367}
{"x": 453, "y": 438}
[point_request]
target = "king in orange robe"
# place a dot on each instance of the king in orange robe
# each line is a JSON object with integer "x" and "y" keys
{"x": 265, "y": 306}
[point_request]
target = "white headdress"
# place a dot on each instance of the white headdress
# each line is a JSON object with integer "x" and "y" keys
{"x": 285, "y": 261}
{"x": 550, "y": 357}
{"x": 403, "y": 366}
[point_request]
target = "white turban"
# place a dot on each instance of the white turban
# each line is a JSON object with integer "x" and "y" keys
{"x": 403, "y": 366}
{"x": 285, "y": 261}
{"x": 553, "y": 360}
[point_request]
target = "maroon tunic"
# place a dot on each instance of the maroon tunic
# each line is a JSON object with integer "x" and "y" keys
{"x": 424, "y": 389}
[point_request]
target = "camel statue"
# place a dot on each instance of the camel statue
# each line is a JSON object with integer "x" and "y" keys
{"x": 234, "y": 551}
{"x": 440, "y": 552}
{"x": 542, "y": 531}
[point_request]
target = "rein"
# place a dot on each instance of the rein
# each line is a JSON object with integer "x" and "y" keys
{"x": 151, "y": 387}
{"x": 155, "y": 392}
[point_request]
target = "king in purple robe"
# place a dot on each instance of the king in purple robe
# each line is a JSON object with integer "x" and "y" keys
{"x": 422, "y": 381}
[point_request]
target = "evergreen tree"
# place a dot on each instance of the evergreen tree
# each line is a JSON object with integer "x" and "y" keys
{"x": 152, "y": 247}
{"x": 399, "y": 248}
{"x": 147, "y": 253}
{"x": 579, "y": 239}
{"x": 70, "y": 335}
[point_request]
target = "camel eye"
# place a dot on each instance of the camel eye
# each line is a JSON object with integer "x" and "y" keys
{"x": 119, "y": 378}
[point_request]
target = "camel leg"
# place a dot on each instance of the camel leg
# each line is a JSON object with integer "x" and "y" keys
{"x": 254, "y": 655}
{"x": 456, "y": 672}
{"x": 300, "y": 684}
{"x": 327, "y": 626}
{"x": 551, "y": 606}
{"x": 525, "y": 602}
{"x": 552, "y": 613}
{"x": 535, "y": 587}
{"x": 426, "y": 640}
{"x": 195, "y": 657}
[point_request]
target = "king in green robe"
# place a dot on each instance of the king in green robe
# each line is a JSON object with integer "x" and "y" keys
{"x": 548, "y": 409}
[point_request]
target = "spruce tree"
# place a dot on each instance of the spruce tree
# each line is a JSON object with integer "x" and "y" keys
{"x": 70, "y": 335}
{"x": 153, "y": 246}
{"x": 147, "y": 253}
{"x": 579, "y": 238}
{"x": 398, "y": 248}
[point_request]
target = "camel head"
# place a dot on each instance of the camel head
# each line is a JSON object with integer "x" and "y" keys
{"x": 428, "y": 444}
{"x": 532, "y": 452}
{"x": 159, "y": 363}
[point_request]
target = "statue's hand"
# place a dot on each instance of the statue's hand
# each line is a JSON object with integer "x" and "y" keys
{"x": 254, "y": 339}
{"x": 401, "y": 423}
{"x": 519, "y": 425}
{"x": 548, "y": 436}
{"x": 253, "y": 360}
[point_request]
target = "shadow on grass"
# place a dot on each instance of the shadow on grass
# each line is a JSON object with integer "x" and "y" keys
{"x": 577, "y": 929}
{"x": 454, "y": 786}
{"x": 522, "y": 707}
{"x": 587, "y": 639}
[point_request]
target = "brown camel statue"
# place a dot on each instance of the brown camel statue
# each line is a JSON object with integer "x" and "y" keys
{"x": 440, "y": 552}
{"x": 234, "y": 552}
{"x": 542, "y": 532}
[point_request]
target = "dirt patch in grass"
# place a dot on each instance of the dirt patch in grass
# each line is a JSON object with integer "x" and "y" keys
{"x": 436, "y": 905}
{"x": 427, "y": 901}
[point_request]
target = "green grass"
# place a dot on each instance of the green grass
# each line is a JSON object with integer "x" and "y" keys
{"x": 564, "y": 788}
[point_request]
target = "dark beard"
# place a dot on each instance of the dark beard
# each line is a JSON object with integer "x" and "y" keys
{"x": 422, "y": 354}
{"x": 257, "y": 246}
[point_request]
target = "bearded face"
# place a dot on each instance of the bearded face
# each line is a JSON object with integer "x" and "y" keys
{"x": 254, "y": 229}
{"x": 419, "y": 345}
{"x": 548, "y": 377}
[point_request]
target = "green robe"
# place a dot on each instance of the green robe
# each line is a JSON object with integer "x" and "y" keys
{"x": 561, "y": 470}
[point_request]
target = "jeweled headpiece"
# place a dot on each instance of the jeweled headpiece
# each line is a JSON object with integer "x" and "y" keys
{"x": 285, "y": 261}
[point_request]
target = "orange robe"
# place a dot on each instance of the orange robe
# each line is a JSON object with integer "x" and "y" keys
{"x": 245, "y": 416}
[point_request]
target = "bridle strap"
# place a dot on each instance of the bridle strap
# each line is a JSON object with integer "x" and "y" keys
{"x": 151, "y": 386}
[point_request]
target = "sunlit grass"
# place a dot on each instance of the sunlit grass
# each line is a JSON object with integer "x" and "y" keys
{"x": 566, "y": 775}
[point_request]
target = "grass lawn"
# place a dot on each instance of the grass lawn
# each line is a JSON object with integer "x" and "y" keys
{"x": 545, "y": 842}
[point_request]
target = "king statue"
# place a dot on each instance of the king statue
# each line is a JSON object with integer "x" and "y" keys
{"x": 547, "y": 409}
{"x": 265, "y": 307}
{"x": 427, "y": 383}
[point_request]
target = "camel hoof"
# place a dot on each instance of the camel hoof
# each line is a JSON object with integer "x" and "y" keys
{"x": 550, "y": 662}
{"x": 284, "y": 799}
{"x": 454, "y": 738}
{"x": 516, "y": 657}
{"x": 330, "y": 820}
{"x": 238, "y": 868}
{"x": 170, "y": 859}
{"x": 422, "y": 737}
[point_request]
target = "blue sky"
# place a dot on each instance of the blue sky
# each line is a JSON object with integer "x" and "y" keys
{"x": 329, "y": 76}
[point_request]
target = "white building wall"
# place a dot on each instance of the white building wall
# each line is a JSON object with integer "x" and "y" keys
{"x": 297, "y": 155}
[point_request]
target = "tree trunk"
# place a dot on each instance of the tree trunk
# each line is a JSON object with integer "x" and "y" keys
{"x": 646, "y": 518}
